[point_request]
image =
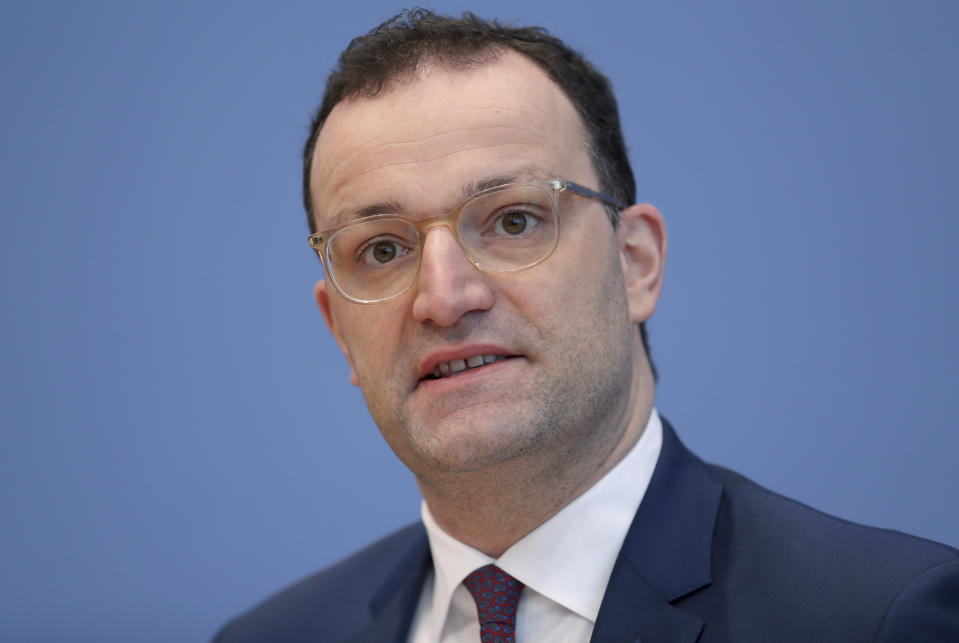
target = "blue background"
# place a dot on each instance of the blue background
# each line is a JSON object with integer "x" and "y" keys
{"x": 179, "y": 437}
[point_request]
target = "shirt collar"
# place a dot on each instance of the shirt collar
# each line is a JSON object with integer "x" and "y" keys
{"x": 570, "y": 556}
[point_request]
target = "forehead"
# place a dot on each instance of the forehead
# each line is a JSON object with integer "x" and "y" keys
{"x": 419, "y": 142}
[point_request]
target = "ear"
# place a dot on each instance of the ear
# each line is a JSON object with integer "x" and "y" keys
{"x": 323, "y": 301}
{"x": 641, "y": 237}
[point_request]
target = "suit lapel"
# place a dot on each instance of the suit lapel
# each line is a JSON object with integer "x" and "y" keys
{"x": 666, "y": 554}
{"x": 393, "y": 605}
{"x": 633, "y": 610}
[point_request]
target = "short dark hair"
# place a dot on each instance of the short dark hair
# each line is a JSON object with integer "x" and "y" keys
{"x": 394, "y": 50}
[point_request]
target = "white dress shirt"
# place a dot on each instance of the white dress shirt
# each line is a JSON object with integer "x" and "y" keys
{"x": 565, "y": 563}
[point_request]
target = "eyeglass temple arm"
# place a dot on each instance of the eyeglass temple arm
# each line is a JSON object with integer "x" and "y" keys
{"x": 582, "y": 190}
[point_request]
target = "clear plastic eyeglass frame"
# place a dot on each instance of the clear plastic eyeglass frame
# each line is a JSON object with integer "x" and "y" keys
{"x": 320, "y": 241}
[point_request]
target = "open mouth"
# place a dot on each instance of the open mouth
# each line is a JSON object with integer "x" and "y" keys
{"x": 457, "y": 366}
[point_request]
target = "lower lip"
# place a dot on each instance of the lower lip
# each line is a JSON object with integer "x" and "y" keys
{"x": 469, "y": 376}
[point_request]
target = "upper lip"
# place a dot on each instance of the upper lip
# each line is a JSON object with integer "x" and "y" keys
{"x": 431, "y": 361}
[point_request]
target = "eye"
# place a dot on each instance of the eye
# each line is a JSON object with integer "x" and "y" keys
{"x": 515, "y": 222}
{"x": 380, "y": 251}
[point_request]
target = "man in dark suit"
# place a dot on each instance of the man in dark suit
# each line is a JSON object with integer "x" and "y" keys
{"x": 488, "y": 274}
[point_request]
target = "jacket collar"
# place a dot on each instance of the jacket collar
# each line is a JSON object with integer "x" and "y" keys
{"x": 666, "y": 555}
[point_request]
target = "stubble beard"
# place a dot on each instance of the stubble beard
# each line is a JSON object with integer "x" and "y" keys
{"x": 569, "y": 416}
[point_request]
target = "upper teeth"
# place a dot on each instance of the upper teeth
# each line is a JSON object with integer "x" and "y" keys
{"x": 456, "y": 365}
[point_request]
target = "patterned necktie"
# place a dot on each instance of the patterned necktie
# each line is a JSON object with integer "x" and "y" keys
{"x": 496, "y": 594}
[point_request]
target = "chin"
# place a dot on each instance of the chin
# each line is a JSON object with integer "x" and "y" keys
{"x": 458, "y": 445}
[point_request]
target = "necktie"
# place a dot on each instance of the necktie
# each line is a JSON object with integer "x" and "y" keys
{"x": 496, "y": 594}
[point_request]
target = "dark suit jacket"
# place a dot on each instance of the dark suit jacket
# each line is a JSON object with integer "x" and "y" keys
{"x": 710, "y": 557}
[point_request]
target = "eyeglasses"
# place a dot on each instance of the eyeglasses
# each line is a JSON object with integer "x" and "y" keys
{"x": 502, "y": 229}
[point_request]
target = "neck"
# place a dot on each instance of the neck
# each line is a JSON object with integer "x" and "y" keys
{"x": 493, "y": 508}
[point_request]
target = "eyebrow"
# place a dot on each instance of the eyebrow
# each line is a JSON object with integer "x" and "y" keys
{"x": 490, "y": 182}
{"x": 380, "y": 207}
{"x": 469, "y": 190}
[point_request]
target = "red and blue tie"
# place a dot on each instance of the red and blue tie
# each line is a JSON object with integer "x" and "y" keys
{"x": 496, "y": 594}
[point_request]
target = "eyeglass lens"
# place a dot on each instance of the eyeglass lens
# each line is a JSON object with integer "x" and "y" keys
{"x": 501, "y": 231}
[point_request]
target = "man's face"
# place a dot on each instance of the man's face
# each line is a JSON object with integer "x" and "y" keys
{"x": 563, "y": 326}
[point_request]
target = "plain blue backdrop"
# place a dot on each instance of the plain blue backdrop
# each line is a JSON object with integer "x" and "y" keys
{"x": 179, "y": 437}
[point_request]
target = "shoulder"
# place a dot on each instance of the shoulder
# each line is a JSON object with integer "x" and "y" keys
{"x": 829, "y": 568}
{"x": 763, "y": 518}
{"x": 341, "y": 594}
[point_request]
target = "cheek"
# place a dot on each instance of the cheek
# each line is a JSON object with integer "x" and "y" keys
{"x": 585, "y": 270}
{"x": 372, "y": 336}
{"x": 590, "y": 299}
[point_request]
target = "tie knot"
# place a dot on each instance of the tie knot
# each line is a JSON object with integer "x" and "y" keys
{"x": 496, "y": 594}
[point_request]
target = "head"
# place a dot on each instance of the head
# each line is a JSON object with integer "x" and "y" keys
{"x": 557, "y": 362}
{"x": 393, "y": 51}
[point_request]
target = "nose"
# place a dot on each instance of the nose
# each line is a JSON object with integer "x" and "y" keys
{"x": 449, "y": 284}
